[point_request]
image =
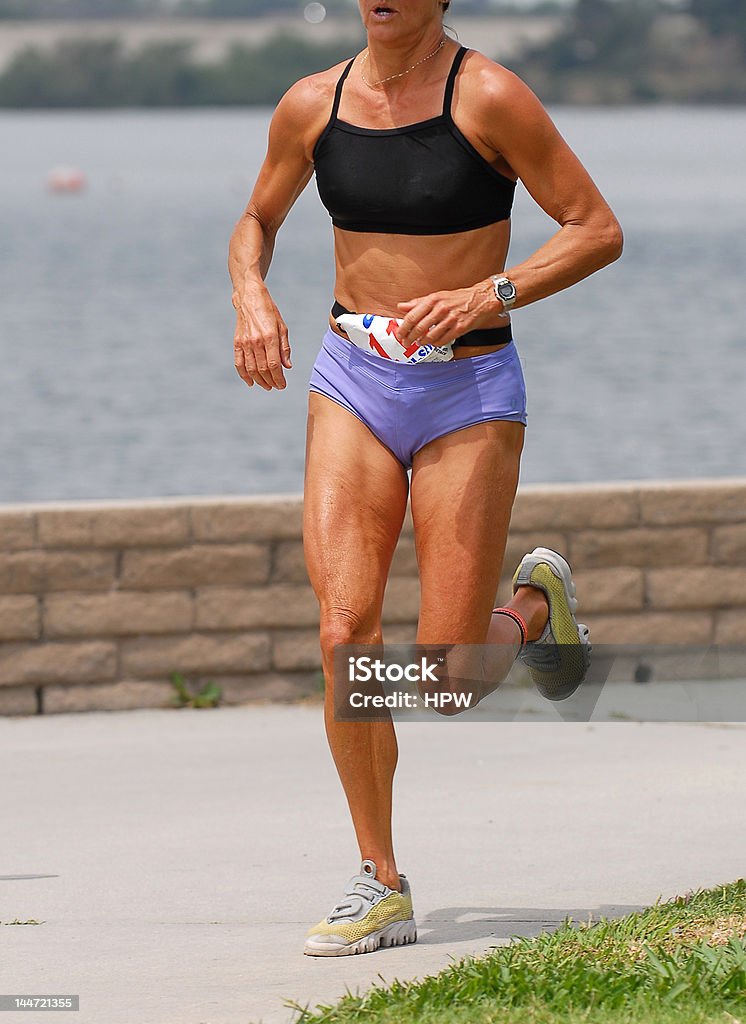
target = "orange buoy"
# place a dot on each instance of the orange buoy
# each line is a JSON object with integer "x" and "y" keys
{"x": 66, "y": 179}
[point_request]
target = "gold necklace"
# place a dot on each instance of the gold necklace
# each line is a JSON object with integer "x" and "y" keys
{"x": 374, "y": 85}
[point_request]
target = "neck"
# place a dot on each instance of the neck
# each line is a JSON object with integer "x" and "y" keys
{"x": 390, "y": 58}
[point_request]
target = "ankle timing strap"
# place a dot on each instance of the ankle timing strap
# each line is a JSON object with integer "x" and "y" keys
{"x": 516, "y": 617}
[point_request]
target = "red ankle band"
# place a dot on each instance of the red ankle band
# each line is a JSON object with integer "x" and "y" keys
{"x": 516, "y": 617}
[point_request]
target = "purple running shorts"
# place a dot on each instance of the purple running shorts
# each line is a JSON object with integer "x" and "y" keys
{"x": 407, "y": 405}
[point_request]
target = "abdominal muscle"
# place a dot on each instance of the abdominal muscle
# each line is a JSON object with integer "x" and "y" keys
{"x": 375, "y": 272}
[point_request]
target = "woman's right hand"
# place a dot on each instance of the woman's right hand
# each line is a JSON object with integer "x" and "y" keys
{"x": 261, "y": 348}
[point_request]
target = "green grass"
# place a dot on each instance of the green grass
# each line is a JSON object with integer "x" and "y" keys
{"x": 208, "y": 697}
{"x": 678, "y": 962}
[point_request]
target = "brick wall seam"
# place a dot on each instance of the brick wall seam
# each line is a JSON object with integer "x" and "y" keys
{"x": 190, "y": 523}
{"x": 118, "y": 658}
{"x": 272, "y": 549}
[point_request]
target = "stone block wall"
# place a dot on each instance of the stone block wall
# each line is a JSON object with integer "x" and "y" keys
{"x": 101, "y": 601}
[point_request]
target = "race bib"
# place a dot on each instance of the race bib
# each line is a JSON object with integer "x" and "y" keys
{"x": 378, "y": 334}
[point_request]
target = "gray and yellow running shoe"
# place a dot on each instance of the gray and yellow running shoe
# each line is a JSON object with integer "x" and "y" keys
{"x": 558, "y": 661}
{"x": 369, "y": 915}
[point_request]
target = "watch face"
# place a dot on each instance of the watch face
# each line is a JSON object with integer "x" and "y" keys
{"x": 506, "y": 290}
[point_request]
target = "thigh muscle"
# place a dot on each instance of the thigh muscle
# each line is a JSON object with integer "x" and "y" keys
{"x": 355, "y": 496}
{"x": 463, "y": 487}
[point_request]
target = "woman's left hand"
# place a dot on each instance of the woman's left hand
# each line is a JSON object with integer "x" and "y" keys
{"x": 440, "y": 317}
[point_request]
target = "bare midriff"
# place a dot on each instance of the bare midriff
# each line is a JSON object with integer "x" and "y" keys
{"x": 375, "y": 272}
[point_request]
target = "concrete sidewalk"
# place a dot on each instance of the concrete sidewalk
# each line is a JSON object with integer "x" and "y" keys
{"x": 175, "y": 859}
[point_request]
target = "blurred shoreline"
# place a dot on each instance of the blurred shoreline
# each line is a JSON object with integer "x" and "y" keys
{"x": 596, "y": 53}
{"x": 211, "y": 38}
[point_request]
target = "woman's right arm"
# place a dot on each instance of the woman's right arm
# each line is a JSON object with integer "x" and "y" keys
{"x": 261, "y": 346}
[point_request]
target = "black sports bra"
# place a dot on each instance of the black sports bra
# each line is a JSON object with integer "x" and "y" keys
{"x": 421, "y": 179}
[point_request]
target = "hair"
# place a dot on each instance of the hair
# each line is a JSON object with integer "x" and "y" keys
{"x": 446, "y": 5}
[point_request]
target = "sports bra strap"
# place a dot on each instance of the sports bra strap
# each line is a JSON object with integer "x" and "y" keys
{"x": 451, "y": 82}
{"x": 338, "y": 91}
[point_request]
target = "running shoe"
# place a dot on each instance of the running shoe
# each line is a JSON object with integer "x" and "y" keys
{"x": 558, "y": 661}
{"x": 369, "y": 916}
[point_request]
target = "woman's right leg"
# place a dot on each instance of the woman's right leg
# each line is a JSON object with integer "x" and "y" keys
{"x": 355, "y": 497}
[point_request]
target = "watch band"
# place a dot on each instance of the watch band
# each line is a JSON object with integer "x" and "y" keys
{"x": 505, "y": 292}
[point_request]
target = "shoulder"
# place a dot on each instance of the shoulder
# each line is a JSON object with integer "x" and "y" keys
{"x": 306, "y": 106}
{"x": 489, "y": 88}
{"x": 502, "y": 110}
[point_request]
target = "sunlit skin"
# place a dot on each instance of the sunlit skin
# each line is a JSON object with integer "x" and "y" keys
{"x": 463, "y": 484}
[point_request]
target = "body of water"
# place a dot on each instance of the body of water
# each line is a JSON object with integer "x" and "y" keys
{"x": 116, "y": 328}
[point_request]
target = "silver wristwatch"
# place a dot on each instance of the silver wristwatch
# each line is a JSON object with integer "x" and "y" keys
{"x": 504, "y": 291}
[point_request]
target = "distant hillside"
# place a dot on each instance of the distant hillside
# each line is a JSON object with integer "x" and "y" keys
{"x": 631, "y": 51}
{"x": 597, "y": 51}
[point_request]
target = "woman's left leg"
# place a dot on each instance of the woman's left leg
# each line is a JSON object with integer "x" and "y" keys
{"x": 462, "y": 492}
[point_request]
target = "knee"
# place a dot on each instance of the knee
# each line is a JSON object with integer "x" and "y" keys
{"x": 346, "y": 626}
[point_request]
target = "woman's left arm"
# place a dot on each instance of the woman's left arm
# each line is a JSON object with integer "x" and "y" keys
{"x": 589, "y": 236}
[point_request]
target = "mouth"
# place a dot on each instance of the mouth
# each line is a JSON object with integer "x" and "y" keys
{"x": 383, "y": 12}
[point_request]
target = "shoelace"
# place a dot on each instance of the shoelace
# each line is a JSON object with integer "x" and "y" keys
{"x": 354, "y": 899}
